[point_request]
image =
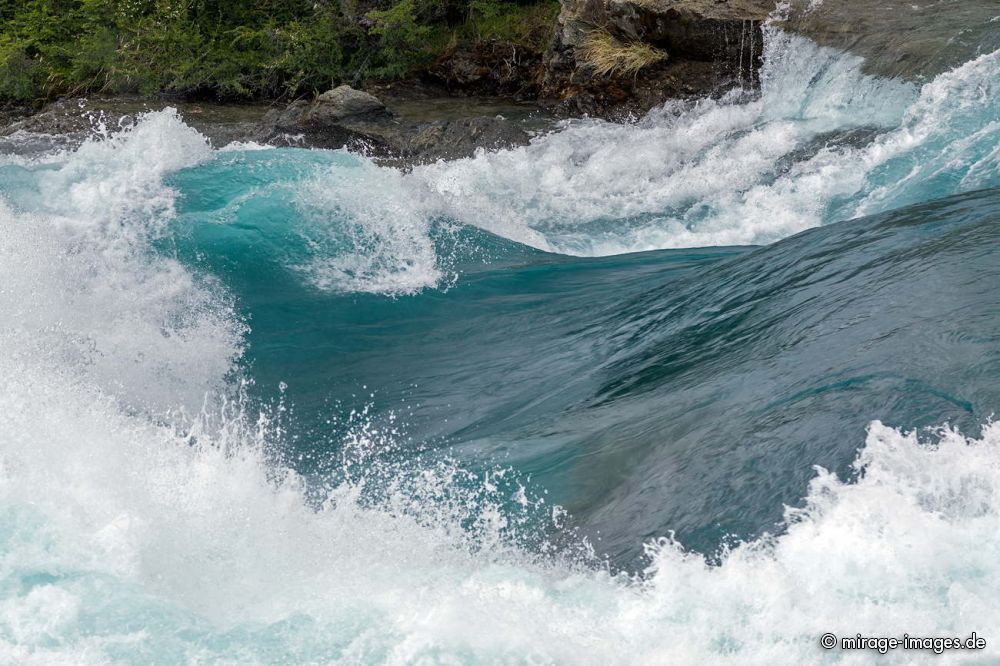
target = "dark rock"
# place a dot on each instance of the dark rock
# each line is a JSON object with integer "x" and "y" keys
{"x": 627, "y": 100}
{"x": 491, "y": 68}
{"x": 454, "y": 139}
{"x": 705, "y": 30}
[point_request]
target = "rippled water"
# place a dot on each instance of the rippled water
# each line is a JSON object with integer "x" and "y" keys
{"x": 690, "y": 390}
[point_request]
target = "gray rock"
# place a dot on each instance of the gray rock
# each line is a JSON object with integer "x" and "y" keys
{"x": 75, "y": 119}
{"x": 64, "y": 117}
{"x": 374, "y": 132}
{"x": 455, "y": 139}
{"x": 457, "y": 129}
{"x": 325, "y": 114}
{"x": 288, "y": 118}
{"x": 344, "y": 102}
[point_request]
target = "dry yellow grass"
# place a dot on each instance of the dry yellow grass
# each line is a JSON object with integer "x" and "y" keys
{"x": 608, "y": 55}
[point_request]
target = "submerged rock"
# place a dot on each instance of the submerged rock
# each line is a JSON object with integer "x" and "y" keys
{"x": 454, "y": 139}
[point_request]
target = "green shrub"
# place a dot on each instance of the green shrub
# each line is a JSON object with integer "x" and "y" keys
{"x": 400, "y": 40}
{"x": 21, "y": 77}
{"x": 530, "y": 25}
{"x": 240, "y": 48}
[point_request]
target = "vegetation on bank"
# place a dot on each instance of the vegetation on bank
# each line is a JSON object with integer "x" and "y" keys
{"x": 242, "y": 49}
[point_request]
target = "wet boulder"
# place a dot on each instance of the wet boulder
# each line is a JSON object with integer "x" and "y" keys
{"x": 345, "y": 102}
{"x": 335, "y": 106}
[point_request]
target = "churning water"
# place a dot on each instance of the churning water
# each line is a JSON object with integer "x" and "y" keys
{"x": 696, "y": 389}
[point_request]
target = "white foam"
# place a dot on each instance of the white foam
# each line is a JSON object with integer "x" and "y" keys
{"x": 129, "y": 519}
{"x": 242, "y": 146}
{"x": 81, "y": 288}
{"x": 369, "y": 232}
{"x": 909, "y": 548}
{"x": 947, "y": 140}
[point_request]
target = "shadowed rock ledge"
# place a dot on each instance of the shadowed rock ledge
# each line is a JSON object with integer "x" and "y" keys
{"x": 698, "y": 47}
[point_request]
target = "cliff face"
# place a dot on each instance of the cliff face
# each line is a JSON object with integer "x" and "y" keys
{"x": 667, "y": 49}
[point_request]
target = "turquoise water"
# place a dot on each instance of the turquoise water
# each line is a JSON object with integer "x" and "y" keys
{"x": 685, "y": 391}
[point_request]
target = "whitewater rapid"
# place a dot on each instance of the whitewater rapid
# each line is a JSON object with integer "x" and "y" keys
{"x": 124, "y": 541}
{"x": 819, "y": 141}
{"x": 148, "y": 509}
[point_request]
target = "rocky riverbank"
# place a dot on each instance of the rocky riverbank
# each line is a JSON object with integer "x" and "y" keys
{"x": 493, "y": 95}
{"x": 614, "y": 59}
{"x": 412, "y": 126}
{"x": 345, "y": 117}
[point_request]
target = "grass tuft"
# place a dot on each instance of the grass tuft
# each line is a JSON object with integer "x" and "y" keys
{"x": 607, "y": 55}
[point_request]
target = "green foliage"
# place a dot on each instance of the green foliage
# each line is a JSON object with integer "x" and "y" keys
{"x": 240, "y": 48}
{"x": 530, "y": 25}
{"x": 20, "y": 75}
{"x": 400, "y": 40}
